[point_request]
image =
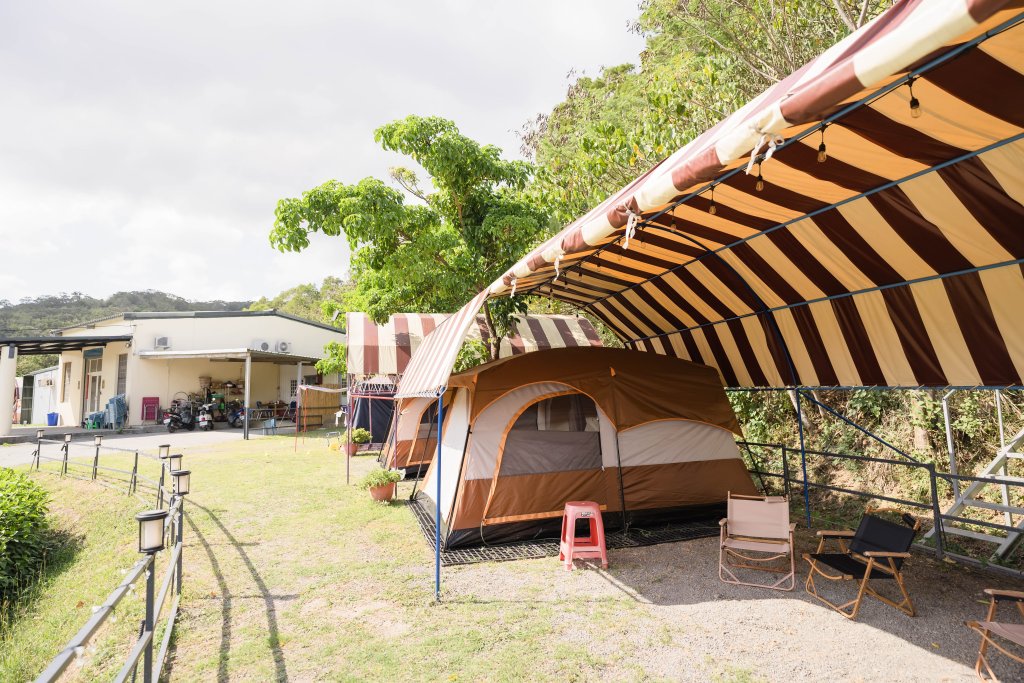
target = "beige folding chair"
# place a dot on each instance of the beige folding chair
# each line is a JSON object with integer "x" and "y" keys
{"x": 759, "y": 525}
{"x": 1006, "y": 632}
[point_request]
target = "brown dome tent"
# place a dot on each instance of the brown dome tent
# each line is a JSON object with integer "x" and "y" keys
{"x": 646, "y": 436}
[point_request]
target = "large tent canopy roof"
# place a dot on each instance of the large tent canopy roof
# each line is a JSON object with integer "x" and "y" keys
{"x": 895, "y": 262}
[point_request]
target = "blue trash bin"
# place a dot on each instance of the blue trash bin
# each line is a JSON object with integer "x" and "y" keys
{"x": 51, "y": 419}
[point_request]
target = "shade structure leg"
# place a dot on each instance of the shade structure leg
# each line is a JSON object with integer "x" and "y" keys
{"x": 437, "y": 511}
{"x": 248, "y": 394}
{"x": 803, "y": 456}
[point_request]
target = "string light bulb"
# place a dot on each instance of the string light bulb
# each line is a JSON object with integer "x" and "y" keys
{"x": 759, "y": 185}
{"x": 915, "y": 104}
{"x": 822, "y": 153}
{"x": 713, "y": 208}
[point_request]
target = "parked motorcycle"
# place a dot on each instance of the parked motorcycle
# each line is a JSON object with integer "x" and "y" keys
{"x": 206, "y": 417}
{"x": 236, "y": 415}
{"x": 180, "y": 417}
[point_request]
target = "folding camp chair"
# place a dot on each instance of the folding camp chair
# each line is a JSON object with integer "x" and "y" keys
{"x": 875, "y": 551}
{"x": 757, "y": 524}
{"x": 1013, "y": 633}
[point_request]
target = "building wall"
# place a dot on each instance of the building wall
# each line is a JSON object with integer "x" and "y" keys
{"x": 147, "y": 377}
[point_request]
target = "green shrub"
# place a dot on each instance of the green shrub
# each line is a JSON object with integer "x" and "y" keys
{"x": 380, "y": 477}
{"x": 23, "y": 531}
{"x": 360, "y": 435}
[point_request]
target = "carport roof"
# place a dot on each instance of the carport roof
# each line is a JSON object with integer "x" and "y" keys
{"x": 36, "y": 346}
{"x": 230, "y": 355}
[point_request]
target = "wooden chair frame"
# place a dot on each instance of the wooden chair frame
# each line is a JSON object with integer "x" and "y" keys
{"x": 873, "y": 560}
{"x": 995, "y": 595}
{"x": 726, "y": 561}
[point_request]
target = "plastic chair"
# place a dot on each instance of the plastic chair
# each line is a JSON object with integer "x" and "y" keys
{"x": 757, "y": 524}
{"x": 876, "y": 550}
{"x": 1013, "y": 633}
{"x": 572, "y": 546}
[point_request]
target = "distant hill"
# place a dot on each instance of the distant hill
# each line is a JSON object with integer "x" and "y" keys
{"x": 40, "y": 315}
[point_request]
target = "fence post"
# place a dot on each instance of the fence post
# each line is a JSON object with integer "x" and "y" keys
{"x": 785, "y": 470}
{"x": 160, "y": 487}
{"x": 132, "y": 484}
{"x": 940, "y": 551}
{"x": 66, "y": 448}
{"x": 147, "y": 661}
{"x": 39, "y": 449}
{"x": 96, "y": 458}
{"x": 181, "y": 547}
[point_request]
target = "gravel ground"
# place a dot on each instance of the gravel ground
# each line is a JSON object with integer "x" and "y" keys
{"x": 688, "y": 625}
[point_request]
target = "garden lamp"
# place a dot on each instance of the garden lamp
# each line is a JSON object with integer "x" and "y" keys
{"x": 151, "y": 530}
{"x": 181, "y": 481}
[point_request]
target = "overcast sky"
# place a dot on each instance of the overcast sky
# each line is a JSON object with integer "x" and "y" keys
{"x": 144, "y": 145}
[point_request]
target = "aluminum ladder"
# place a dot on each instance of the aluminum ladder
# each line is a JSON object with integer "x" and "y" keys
{"x": 970, "y": 497}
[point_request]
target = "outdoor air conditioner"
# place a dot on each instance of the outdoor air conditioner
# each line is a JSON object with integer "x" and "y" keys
{"x": 46, "y": 382}
{"x": 283, "y": 347}
{"x": 162, "y": 343}
{"x": 261, "y": 345}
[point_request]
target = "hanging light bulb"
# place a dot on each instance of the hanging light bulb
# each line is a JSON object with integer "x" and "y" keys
{"x": 822, "y": 154}
{"x": 915, "y": 104}
{"x": 759, "y": 185}
{"x": 713, "y": 208}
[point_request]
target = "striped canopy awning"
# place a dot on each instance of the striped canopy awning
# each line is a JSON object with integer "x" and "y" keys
{"x": 876, "y": 240}
{"x": 386, "y": 349}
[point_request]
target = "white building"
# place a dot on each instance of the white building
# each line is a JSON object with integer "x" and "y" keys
{"x": 151, "y": 357}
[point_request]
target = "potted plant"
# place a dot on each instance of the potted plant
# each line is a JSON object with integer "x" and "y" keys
{"x": 359, "y": 436}
{"x": 381, "y": 484}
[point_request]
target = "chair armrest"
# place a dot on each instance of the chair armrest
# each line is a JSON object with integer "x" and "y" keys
{"x": 882, "y": 553}
{"x": 838, "y": 533}
{"x": 723, "y": 521}
{"x": 999, "y": 594}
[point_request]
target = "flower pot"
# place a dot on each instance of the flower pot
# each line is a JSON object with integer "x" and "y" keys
{"x": 383, "y": 493}
{"x": 352, "y": 448}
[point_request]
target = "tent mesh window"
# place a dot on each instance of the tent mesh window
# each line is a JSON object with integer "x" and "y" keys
{"x": 558, "y": 434}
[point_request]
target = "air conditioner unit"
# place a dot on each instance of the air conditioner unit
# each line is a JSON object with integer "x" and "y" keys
{"x": 46, "y": 383}
{"x": 283, "y": 347}
{"x": 261, "y": 345}
{"x": 162, "y": 343}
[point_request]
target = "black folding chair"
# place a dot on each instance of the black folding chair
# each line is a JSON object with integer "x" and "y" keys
{"x": 876, "y": 550}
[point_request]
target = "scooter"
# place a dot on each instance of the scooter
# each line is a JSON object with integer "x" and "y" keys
{"x": 180, "y": 418}
{"x": 206, "y": 417}
{"x": 236, "y": 415}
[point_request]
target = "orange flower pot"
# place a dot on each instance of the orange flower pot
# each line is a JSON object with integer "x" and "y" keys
{"x": 383, "y": 494}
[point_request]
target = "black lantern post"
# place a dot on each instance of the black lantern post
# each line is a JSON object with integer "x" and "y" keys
{"x": 180, "y": 482}
{"x": 151, "y": 541}
{"x": 97, "y": 441}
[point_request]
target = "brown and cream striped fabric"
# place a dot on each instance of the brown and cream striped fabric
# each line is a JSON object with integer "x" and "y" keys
{"x": 896, "y": 261}
{"x": 386, "y": 349}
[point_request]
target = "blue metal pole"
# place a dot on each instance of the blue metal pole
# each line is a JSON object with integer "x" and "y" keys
{"x": 803, "y": 457}
{"x": 437, "y": 511}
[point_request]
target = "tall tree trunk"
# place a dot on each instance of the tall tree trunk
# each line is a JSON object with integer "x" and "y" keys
{"x": 922, "y": 442}
{"x": 493, "y": 340}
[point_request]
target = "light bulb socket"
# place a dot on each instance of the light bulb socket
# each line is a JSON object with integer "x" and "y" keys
{"x": 822, "y": 154}
{"x": 915, "y": 107}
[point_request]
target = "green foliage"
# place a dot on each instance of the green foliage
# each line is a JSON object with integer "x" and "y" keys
{"x": 23, "y": 531}
{"x": 379, "y": 477}
{"x": 360, "y": 435}
{"x": 433, "y": 253}
{"x": 308, "y": 301}
{"x": 336, "y": 360}
{"x": 473, "y": 353}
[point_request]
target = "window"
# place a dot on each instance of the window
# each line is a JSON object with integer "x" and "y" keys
{"x": 293, "y": 387}
{"x": 65, "y": 385}
{"x": 122, "y": 373}
{"x": 558, "y": 434}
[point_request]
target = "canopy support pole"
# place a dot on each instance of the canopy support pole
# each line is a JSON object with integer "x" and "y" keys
{"x": 803, "y": 456}
{"x": 8, "y": 370}
{"x": 622, "y": 486}
{"x": 248, "y": 394}
{"x": 437, "y": 511}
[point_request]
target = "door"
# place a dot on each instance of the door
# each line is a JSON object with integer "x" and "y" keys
{"x": 27, "y": 392}
{"x": 93, "y": 384}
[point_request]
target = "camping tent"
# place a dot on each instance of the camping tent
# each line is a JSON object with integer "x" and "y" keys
{"x": 373, "y": 407}
{"x": 646, "y": 436}
{"x": 412, "y": 442}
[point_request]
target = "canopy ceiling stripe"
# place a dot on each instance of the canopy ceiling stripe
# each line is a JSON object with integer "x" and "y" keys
{"x": 895, "y": 261}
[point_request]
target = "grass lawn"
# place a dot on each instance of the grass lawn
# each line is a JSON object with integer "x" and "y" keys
{"x": 291, "y": 574}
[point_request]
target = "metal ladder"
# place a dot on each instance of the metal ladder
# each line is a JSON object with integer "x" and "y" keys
{"x": 969, "y": 497}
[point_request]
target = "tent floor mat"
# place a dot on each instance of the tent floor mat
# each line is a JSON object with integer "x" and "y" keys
{"x": 548, "y": 547}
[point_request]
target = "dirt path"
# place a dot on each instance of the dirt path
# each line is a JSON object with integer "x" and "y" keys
{"x": 293, "y": 575}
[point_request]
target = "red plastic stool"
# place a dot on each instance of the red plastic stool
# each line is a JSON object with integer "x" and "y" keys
{"x": 573, "y": 546}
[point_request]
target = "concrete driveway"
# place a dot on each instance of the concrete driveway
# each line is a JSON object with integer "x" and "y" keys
{"x": 21, "y": 454}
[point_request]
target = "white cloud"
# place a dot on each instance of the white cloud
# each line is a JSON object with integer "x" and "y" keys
{"x": 144, "y": 145}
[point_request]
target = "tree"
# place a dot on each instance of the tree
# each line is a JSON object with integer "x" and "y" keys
{"x": 311, "y": 302}
{"x": 419, "y": 250}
